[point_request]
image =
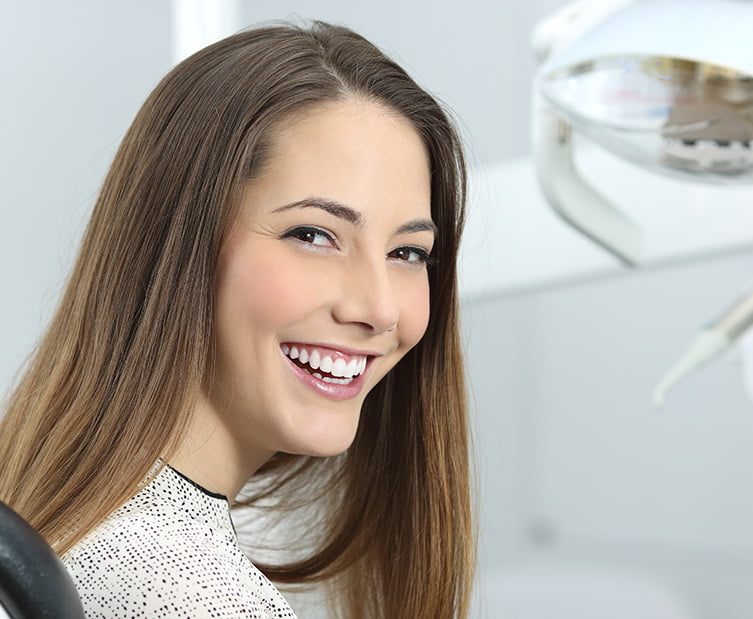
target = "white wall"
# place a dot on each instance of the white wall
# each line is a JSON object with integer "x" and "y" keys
{"x": 73, "y": 75}
{"x": 576, "y": 466}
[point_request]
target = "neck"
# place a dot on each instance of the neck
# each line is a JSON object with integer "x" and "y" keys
{"x": 210, "y": 455}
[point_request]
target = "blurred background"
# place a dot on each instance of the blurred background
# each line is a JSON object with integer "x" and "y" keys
{"x": 592, "y": 503}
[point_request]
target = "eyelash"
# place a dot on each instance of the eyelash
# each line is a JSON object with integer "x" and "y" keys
{"x": 306, "y": 234}
{"x": 424, "y": 257}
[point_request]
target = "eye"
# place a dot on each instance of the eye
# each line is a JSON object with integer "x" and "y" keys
{"x": 311, "y": 236}
{"x": 411, "y": 255}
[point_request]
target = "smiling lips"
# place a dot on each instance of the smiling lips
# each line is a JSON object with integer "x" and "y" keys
{"x": 327, "y": 365}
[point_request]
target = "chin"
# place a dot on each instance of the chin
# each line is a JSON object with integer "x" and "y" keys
{"x": 329, "y": 442}
{"x": 322, "y": 431}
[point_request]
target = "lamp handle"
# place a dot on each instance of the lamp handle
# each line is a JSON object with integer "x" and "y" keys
{"x": 572, "y": 198}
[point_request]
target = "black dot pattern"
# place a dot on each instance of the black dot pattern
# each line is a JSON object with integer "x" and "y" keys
{"x": 171, "y": 551}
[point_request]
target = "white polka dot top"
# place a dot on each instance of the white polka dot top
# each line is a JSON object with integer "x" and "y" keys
{"x": 171, "y": 551}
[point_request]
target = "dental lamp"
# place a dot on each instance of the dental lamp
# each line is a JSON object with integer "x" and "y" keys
{"x": 665, "y": 84}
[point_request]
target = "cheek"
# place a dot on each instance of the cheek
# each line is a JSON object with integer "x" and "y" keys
{"x": 262, "y": 290}
{"x": 270, "y": 296}
{"x": 414, "y": 313}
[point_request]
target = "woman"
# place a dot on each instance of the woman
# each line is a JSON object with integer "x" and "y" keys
{"x": 286, "y": 198}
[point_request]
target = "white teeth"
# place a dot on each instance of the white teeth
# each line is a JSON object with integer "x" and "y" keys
{"x": 329, "y": 379}
{"x": 352, "y": 368}
{"x": 338, "y": 367}
{"x": 343, "y": 371}
{"x": 338, "y": 381}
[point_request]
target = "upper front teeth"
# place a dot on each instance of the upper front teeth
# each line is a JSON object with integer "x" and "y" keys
{"x": 338, "y": 367}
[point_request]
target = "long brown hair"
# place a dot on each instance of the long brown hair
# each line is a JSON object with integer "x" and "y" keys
{"x": 110, "y": 387}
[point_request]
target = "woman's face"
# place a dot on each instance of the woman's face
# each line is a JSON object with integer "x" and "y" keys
{"x": 322, "y": 283}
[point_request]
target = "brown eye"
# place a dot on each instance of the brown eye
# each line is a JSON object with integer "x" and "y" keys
{"x": 410, "y": 254}
{"x": 311, "y": 236}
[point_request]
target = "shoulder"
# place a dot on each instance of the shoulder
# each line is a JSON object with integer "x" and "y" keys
{"x": 160, "y": 563}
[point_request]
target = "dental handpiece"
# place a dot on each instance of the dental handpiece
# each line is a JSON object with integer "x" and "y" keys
{"x": 711, "y": 342}
{"x": 737, "y": 320}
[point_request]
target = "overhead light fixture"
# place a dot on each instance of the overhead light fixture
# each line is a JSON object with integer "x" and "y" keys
{"x": 666, "y": 84}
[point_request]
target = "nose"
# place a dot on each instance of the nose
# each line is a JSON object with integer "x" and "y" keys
{"x": 367, "y": 297}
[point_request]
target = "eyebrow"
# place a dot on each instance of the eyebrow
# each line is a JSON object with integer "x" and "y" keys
{"x": 354, "y": 217}
{"x": 330, "y": 206}
{"x": 419, "y": 225}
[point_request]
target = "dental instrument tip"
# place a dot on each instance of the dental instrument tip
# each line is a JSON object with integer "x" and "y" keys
{"x": 707, "y": 345}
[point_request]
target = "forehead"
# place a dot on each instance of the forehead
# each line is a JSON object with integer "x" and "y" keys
{"x": 354, "y": 151}
{"x": 342, "y": 116}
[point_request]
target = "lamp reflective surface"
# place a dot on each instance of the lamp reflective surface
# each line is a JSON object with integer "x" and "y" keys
{"x": 681, "y": 117}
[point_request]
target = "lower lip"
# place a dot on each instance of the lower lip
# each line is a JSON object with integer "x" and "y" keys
{"x": 333, "y": 391}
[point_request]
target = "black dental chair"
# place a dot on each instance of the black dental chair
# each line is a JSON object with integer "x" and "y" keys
{"x": 33, "y": 581}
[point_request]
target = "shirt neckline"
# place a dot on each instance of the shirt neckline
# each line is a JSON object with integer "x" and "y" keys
{"x": 198, "y": 486}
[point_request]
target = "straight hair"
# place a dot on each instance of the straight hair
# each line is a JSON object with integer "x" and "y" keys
{"x": 111, "y": 385}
